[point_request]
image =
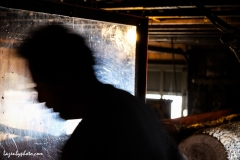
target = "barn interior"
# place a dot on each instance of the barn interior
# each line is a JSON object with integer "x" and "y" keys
{"x": 187, "y": 73}
{"x": 185, "y": 54}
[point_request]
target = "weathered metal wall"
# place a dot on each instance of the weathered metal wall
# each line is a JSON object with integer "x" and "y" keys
{"x": 22, "y": 117}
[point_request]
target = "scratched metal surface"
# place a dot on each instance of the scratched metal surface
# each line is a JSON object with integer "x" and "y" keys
{"x": 27, "y": 126}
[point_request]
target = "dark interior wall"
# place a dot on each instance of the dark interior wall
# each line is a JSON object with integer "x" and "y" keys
{"x": 213, "y": 80}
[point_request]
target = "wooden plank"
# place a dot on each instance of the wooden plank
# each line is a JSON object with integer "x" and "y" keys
{"x": 199, "y": 118}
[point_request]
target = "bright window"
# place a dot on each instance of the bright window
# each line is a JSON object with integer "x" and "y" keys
{"x": 153, "y": 96}
{"x": 176, "y": 107}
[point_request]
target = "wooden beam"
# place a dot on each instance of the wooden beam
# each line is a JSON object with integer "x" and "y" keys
{"x": 170, "y": 4}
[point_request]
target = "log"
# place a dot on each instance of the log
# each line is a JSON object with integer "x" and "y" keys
{"x": 203, "y": 147}
{"x": 216, "y": 143}
{"x": 198, "y": 118}
{"x": 180, "y": 132}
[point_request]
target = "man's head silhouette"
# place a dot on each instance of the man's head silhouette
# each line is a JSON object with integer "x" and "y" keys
{"x": 61, "y": 65}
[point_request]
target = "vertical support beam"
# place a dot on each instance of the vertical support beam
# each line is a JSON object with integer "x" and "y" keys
{"x": 141, "y": 59}
{"x": 161, "y": 82}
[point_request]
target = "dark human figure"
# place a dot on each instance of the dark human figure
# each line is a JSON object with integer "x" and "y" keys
{"x": 115, "y": 124}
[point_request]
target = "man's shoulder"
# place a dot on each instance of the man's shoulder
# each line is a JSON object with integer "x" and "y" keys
{"x": 112, "y": 91}
{"x": 110, "y": 96}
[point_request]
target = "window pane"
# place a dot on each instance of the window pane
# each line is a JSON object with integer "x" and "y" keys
{"x": 22, "y": 117}
{"x": 169, "y": 82}
{"x": 153, "y": 82}
{"x": 176, "y": 107}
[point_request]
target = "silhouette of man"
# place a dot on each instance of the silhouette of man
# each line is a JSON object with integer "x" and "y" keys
{"x": 115, "y": 125}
